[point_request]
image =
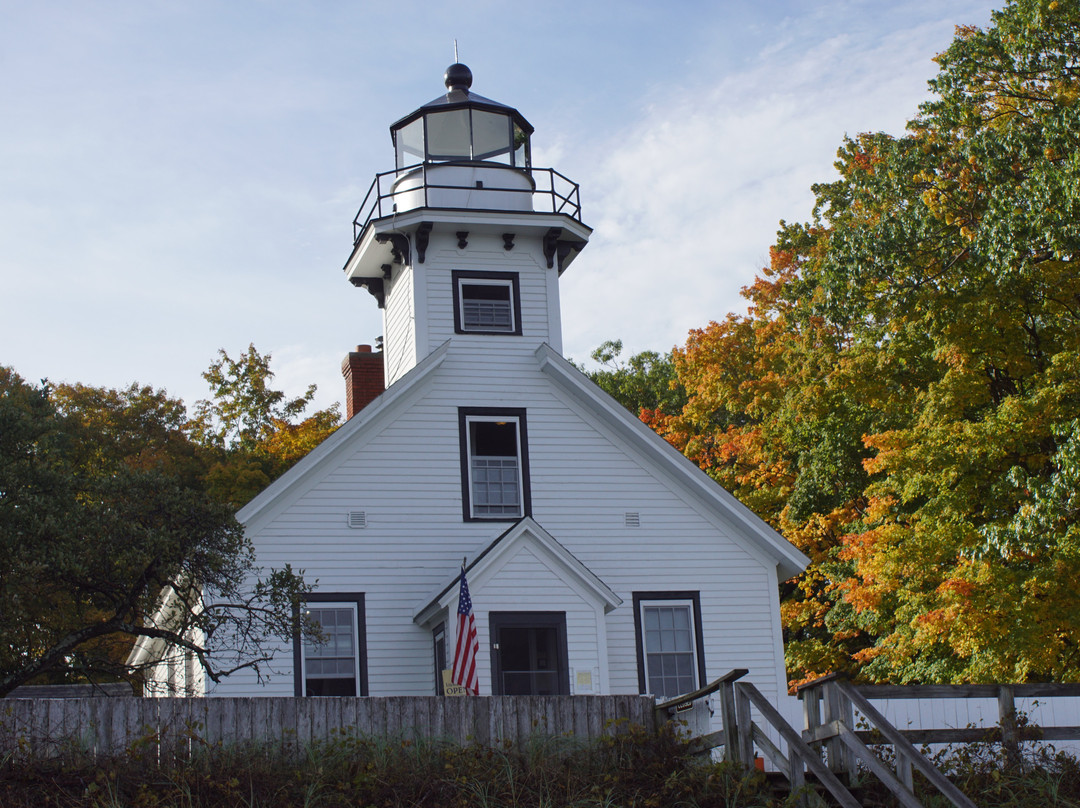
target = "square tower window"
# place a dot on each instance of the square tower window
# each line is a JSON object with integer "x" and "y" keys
{"x": 486, "y": 303}
{"x": 494, "y": 464}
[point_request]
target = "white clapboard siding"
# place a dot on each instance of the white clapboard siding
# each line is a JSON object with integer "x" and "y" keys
{"x": 399, "y": 317}
{"x": 407, "y": 480}
{"x": 485, "y": 253}
{"x": 400, "y": 463}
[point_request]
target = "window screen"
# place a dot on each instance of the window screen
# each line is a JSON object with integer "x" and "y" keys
{"x": 330, "y": 667}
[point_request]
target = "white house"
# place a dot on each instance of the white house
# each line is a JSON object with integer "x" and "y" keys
{"x": 599, "y": 559}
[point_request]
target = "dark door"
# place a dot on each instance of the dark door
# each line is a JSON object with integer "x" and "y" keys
{"x": 528, "y": 654}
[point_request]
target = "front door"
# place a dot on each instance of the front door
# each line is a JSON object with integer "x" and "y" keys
{"x": 528, "y": 654}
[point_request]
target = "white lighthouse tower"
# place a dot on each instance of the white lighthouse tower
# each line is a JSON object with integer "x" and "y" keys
{"x": 465, "y": 239}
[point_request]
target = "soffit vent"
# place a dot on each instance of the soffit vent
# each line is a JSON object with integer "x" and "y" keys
{"x": 357, "y": 519}
{"x": 633, "y": 519}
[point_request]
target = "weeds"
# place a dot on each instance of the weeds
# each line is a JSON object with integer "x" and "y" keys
{"x": 631, "y": 768}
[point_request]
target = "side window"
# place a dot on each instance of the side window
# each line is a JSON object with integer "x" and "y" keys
{"x": 335, "y": 664}
{"x": 486, "y": 302}
{"x": 494, "y": 464}
{"x": 669, "y": 643}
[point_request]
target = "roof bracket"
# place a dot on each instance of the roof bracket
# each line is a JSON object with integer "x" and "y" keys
{"x": 551, "y": 242}
{"x": 565, "y": 248}
{"x": 399, "y": 246}
{"x": 374, "y": 286}
{"x": 423, "y": 233}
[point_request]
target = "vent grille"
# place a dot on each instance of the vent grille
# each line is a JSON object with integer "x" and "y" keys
{"x": 633, "y": 519}
{"x": 357, "y": 519}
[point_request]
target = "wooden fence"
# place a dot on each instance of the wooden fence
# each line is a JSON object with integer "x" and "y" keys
{"x": 101, "y": 727}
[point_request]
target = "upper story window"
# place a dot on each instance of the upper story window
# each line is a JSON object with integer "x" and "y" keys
{"x": 486, "y": 302}
{"x": 333, "y": 666}
{"x": 494, "y": 463}
{"x": 668, "y": 627}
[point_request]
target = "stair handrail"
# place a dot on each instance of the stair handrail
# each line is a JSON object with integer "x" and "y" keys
{"x": 905, "y": 750}
{"x": 800, "y": 753}
{"x": 844, "y": 746}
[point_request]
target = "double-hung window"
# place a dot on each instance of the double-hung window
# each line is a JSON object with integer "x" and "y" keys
{"x": 332, "y": 664}
{"x": 494, "y": 463}
{"x": 668, "y": 628}
{"x": 486, "y": 302}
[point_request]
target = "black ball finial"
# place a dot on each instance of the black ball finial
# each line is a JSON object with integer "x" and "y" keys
{"x": 458, "y": 77}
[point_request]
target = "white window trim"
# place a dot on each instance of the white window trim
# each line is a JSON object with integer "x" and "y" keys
{"x": 505, "y": 284}
{"x": 351, "y": 606}
{"x": 506, "y": 280}
{"x": 489, "y": 419}
{"x": 689, "y": 604}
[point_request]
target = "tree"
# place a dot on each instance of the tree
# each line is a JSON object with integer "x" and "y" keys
{"x": 645, "y": 384}
{"x": 901, "y": 399}
{"x": 95, "y": 526}
{"x": 252, "y": 430}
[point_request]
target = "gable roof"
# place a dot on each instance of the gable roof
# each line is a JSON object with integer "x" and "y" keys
{"x": 343, "y": 436}
{"x": 591, "y": 401}
{"x": 789, "y": 559}
{"x": 525, "y": 532}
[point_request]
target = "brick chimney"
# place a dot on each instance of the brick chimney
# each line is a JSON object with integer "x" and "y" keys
{"x": 364, "y": 379}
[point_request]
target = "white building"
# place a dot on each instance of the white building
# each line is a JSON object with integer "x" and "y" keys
{"x": 599, "y": 559}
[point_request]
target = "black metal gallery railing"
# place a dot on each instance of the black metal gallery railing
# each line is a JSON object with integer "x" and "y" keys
{"x": 551, "y": 192}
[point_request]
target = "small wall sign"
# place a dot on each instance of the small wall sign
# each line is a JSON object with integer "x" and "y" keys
{"x": 448, "y": 686}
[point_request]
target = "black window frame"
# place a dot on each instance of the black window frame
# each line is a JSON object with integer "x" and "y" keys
{"x": 459, "y": 275}
{"x": 467, "y": 414}
{"x": 438, "y": 634}
{"x": 639, "y": 634}
{"x": 519, "y": 619}
{"x": 351, "y": 598}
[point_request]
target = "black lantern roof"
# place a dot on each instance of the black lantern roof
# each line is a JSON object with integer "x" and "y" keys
{"x": 462, "y": 125}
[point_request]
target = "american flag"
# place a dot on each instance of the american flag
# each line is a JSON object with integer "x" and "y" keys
{"x": 468, "y": 646}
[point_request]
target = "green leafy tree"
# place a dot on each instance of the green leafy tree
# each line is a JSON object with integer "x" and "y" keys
{"x": 254, "y": 432}
{"x": 901, "y": 399}
{"x": 96, "y": 526}
{"x": 645, "y": 383}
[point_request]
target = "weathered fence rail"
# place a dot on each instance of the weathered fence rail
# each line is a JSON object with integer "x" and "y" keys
{"x": 1010, "y": 699}
{"x": 102, "y": 727}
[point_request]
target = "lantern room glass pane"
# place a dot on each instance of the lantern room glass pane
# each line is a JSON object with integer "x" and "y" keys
{"x": 448, "y": 135}
{"x": 491, "y": 136}
{"x": 521, "y": 143}
{"x": 410, "y": 143}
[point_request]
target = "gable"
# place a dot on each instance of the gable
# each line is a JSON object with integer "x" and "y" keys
{"x": 664, "y": 459}
{"x": 531, "y": 550}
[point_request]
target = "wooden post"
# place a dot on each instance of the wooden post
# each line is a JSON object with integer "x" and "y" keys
{"x": 848, "y": 760}
{"x": 745, "y": 729}
{"x": 727, "y": 715}
{"x": 834, "y": 749}
{"x": 903, "y": 770}
{"x": 1010, "y": 743}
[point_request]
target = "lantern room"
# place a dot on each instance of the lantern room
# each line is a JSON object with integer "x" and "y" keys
{"x": 462, "y": 126}
{"x": 462, "y": 165}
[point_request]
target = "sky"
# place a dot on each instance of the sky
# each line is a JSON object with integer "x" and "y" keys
{"x": 179, "y": 177}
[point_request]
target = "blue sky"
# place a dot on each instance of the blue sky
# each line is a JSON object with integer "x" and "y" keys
{"x": 178, "y": 177}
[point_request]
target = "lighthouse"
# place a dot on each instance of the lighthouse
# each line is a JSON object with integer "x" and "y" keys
{"x": 465, "y": 239}
{"x": 599, "y": 560}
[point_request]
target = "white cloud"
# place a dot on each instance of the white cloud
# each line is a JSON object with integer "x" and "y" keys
{"x": 688, "y": 199}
